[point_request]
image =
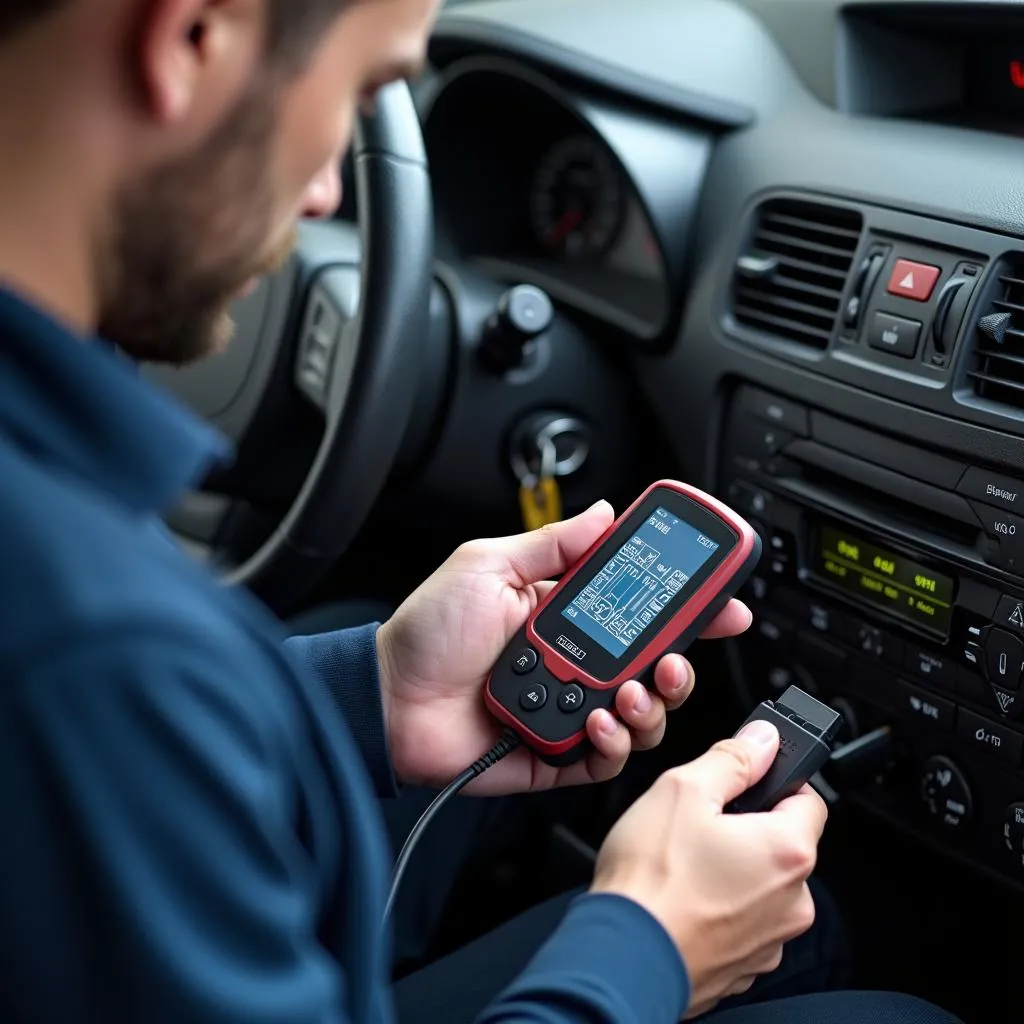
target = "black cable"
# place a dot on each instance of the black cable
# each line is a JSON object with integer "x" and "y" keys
{"x": 508, "y": 742}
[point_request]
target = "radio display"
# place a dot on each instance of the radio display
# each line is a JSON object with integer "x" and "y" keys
{"x": 884, "y": 579}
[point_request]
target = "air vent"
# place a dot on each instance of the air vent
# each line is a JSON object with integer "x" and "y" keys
{"x": 997, "y": 362}
{"x": 789, "y": 281}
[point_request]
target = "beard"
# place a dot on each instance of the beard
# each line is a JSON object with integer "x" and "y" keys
{"x": 187, "y": 237}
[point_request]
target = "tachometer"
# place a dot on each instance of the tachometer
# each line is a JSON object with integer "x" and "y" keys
{"x": 577, "y": 203}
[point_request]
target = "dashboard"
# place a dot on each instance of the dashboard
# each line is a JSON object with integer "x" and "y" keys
{"x": 800, "y": 223}
{"x": 542, "y": 195}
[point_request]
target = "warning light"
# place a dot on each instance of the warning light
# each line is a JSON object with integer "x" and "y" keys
{"x": 1017, "y": 73}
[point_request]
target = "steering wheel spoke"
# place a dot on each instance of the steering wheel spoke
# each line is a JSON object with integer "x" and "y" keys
{"x": 328, "y": 341}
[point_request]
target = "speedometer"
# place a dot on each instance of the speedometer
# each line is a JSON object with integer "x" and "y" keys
{"x": 578, "y": 201}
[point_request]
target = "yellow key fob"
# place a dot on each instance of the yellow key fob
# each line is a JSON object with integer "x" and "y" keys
{"x": 541, "y": 503}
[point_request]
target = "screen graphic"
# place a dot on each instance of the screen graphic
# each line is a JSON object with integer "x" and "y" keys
{"x": 634, "y": 588}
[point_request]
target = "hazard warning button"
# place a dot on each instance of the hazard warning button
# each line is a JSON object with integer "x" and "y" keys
{"x": 913, "y": 280}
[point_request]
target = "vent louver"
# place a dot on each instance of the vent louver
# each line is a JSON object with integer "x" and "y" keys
{"x": 997, "y": 360}
{"x": 790, "y": 280}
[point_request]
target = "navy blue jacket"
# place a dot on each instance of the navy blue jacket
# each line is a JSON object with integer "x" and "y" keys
{"x": 191, "y": 800}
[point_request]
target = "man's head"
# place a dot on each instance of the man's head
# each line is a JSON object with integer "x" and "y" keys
{"x": 203, "y": 130}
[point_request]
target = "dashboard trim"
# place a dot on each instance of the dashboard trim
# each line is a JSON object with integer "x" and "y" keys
{"x": 458, "y": 34}
{"x": 667, "y": 192}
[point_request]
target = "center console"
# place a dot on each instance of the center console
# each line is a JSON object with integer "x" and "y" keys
{"x": 893, "y": 586}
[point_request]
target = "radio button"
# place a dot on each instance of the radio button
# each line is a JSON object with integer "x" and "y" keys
{"x": 822, "y": 618}
{"x": 902, "y": 698}
{"x": 992, "y": 489}
{"x": 974, "y": 654}
{"x": 833, "y": 623}
{"x": 998, "y": 523}
{"x": 937, "y": 670}
{"x": 994, "y": 739}
{"x": 1006, "y": 537}
{"x": 873, "y": 642}
{"x": 922, "y": 706}
{"x": 1004, "y": 658}
{"x": 1010, "y": 614}
{"x": 1013, "y": 829}
{"x": 1007, "y": 702}
{"x": 781, "y": 553}
{"x": 779, "y": 411}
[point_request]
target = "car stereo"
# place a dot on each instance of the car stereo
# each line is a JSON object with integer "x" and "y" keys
{"x": 892, "y": 587}
{"x": 883, "y": 579}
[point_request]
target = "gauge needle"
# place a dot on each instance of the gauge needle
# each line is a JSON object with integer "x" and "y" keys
{"x": 568, "y": 222}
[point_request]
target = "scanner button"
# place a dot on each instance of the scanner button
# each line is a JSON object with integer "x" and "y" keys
{"x": 571, "y": 698}
{"x": 533, "y": 698}
{"x": 525, "y": 661}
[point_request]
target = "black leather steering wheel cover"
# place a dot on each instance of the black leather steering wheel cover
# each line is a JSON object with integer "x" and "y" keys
{"x": 362, "y": 438}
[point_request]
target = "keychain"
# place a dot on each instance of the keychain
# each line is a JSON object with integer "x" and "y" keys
{"x": 540, "y": 499}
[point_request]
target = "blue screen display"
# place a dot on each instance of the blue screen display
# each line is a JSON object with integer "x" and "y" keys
{"x": 632, "y": 590}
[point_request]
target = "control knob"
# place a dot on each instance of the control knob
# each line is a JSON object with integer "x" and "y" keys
{"x": 524, "y": 313}
{"x": 946, "y": 793}
{"x": 1013, "y": 831}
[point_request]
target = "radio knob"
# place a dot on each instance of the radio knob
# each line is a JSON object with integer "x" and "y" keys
{"x": 946, "y": 794}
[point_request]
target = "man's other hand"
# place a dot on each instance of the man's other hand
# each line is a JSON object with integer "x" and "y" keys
{"x": 730, "y": 889}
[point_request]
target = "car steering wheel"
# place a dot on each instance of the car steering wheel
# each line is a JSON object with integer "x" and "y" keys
{"x": 360, "y": 298}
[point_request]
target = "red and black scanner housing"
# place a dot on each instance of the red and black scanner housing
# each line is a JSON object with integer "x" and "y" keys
{"x": 553, "y": 674}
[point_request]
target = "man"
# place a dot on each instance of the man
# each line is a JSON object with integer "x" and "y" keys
{"x": 192, "y": 832}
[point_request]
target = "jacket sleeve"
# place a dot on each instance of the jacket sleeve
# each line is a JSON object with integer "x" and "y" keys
{"x": 609, "y": 961}
{"x": 154, "y": 836}
{"x": 345, "y": 663}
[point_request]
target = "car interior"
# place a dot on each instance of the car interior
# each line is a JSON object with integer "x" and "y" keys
{"x": 769, "y": 247}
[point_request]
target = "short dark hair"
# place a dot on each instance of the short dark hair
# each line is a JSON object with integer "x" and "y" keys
{"x": 293, "y": 28}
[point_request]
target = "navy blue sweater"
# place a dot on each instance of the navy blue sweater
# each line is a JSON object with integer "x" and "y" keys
{"x": 191, "y": 800}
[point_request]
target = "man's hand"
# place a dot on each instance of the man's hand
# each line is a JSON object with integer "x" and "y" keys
{"x": 437, "y": 650}
{"x": 730, "y": 889}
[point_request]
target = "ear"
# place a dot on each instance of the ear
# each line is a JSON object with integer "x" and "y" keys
{"x": 196, "y": 54}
